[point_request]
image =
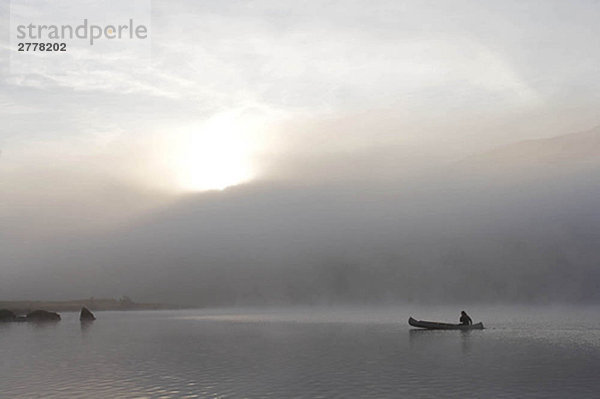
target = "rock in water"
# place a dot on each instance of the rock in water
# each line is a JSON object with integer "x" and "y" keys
{"x": 43, "y": 315}
{"x": 86, "y": 315}
{"x": 7, "y": 315}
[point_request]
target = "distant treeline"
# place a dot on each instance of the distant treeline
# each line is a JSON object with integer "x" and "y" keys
{"x": 123, "y": 303}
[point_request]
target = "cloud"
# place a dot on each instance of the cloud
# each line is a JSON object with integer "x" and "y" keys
{"x": 341, "y": 99}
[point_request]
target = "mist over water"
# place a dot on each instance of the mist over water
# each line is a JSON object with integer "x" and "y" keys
{"x": 305, "y": 353}
{"x": 479, "y": 231}
{"x": 367, "y": 154}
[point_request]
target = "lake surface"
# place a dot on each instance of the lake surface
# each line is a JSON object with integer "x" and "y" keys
{"x": 305, "y": 353}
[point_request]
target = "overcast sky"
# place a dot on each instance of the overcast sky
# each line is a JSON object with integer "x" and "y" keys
{"x": 229, "y": 92}
{"x": 458, "y": 75}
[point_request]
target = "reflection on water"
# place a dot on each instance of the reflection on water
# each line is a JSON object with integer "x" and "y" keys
{"x": 300, "y": 354}
{"x": 85, "y": 325}
{"x": 465, "y": 340}
{"x": 420, "y": 338}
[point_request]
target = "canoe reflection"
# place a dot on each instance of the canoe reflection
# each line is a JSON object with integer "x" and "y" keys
{"x": 422, "y": 339}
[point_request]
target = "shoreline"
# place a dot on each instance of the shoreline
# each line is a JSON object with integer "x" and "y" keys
{"x": 20, "y": 307}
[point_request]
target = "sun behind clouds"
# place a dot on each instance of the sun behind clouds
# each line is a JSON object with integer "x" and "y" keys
{"x": 216, "y": 154}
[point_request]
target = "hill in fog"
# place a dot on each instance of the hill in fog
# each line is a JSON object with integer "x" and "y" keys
{"x": 519, "y": 223}
{"x": 565, "y": 152}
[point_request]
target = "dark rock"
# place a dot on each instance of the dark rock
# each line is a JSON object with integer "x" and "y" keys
{"x": 43, "y": 315}
{"x": 7, "y": 315}
{"x": 86, "y": 315}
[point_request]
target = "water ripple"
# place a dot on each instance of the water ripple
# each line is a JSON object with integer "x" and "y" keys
{"x": 185, "y": 355}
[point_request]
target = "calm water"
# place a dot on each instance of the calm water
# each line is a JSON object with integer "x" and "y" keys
{"x": 364, "y": 353}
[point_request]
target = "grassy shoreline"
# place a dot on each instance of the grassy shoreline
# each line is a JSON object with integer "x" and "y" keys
{"x": 75, "y": 305}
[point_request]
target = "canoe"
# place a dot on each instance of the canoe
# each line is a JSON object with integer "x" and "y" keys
{"x": 432, "y": 325}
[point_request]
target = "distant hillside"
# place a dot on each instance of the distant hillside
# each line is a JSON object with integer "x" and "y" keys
{"x": 582, "y": 148}
{"x": 518, "y": 224}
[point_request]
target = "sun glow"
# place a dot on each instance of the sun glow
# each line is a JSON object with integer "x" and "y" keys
{"x": 216, "y": 154}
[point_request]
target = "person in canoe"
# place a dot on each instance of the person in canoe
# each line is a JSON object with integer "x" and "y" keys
{"x": 465, "y": 320}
